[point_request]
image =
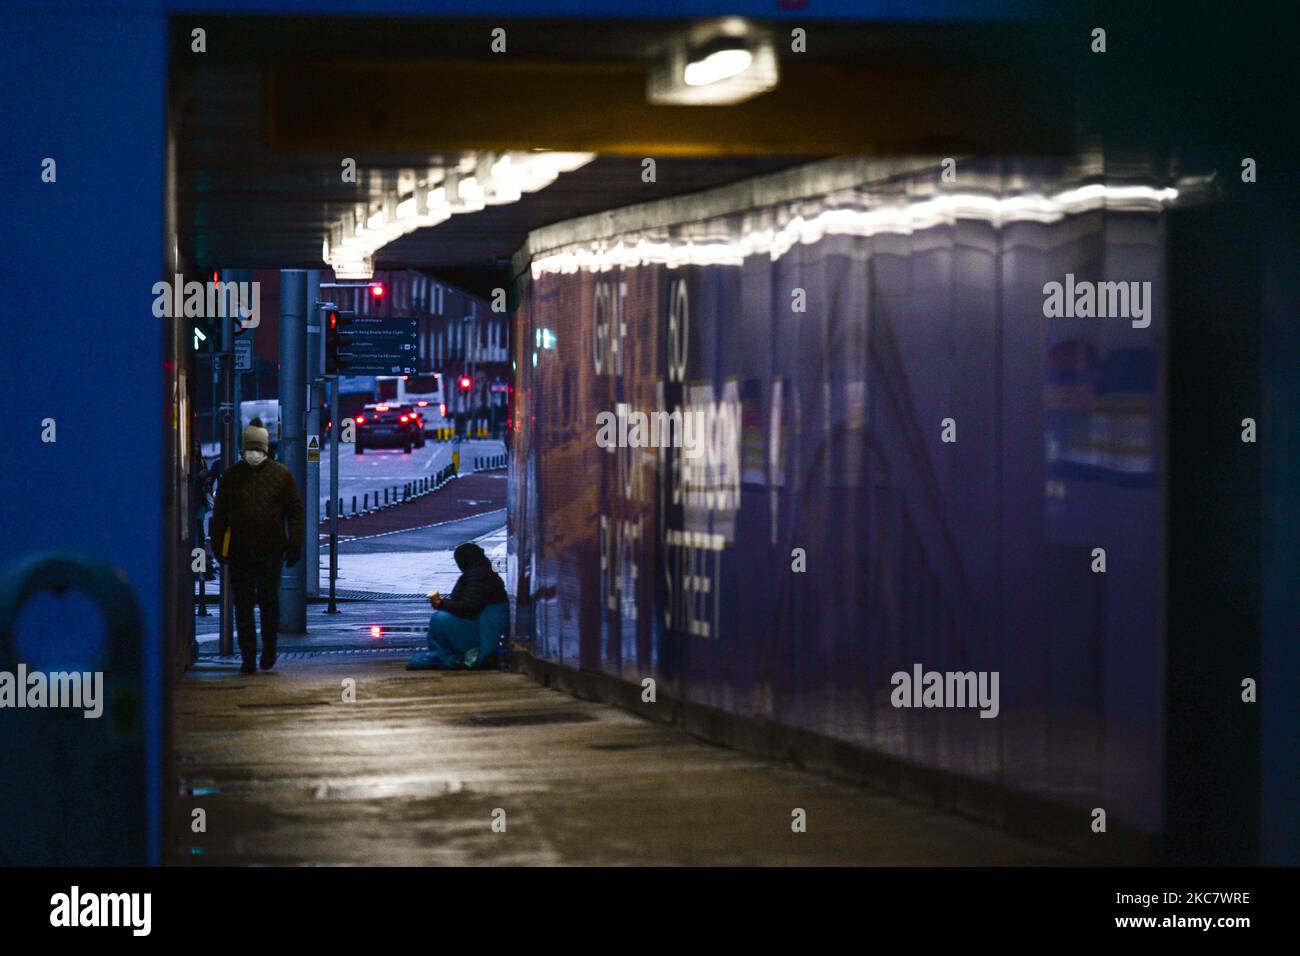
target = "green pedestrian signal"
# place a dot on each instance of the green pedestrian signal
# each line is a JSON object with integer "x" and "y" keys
{"x": 204, "y": 336}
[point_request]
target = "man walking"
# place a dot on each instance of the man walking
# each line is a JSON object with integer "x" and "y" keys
{"x": 257, "y": 525}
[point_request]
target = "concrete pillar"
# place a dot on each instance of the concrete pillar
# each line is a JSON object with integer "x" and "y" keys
{"x": 293, "y": 423}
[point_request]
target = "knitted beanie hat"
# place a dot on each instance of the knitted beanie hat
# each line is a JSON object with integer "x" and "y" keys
{"x": 255, "y": 437}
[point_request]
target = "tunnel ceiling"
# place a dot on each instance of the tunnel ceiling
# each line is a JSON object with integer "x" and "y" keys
{"x": 262, "y": 120}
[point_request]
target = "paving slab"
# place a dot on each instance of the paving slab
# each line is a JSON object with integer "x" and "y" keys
{"x": 420, "y": 766}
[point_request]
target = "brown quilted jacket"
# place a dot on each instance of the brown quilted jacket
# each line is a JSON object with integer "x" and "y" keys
{"x": 261, "y": 508}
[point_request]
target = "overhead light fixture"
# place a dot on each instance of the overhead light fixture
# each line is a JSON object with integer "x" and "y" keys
{"x": 416, "y": 201}
{"x": 860, "y": 219}
{"x": 717, "y": 66}
{"x": 716, "y": 63}
{"x": 362, "y": 268}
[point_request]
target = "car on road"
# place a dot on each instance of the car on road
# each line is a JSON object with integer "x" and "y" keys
{"x": 381, "y": 425}
{"x": 432, "y": 416}
{"x": 421, "y": 417}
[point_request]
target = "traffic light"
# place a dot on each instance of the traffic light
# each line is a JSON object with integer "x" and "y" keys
{"x": 466, "y": 383}
{"x": 337, "y": 339}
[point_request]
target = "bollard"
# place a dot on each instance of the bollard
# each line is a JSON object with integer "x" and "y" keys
{"x": 385, "y": 496}
{"x": 340, "y": 507}
{"x": 354, "y": 504}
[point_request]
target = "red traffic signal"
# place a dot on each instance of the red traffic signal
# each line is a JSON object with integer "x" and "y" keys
{"x": 466, "y": 382}
{"x": 377, "y": 290}
{"x": 337, "y": 340}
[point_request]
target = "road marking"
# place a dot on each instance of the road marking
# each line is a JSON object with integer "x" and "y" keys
{"x": 423, "y": 527}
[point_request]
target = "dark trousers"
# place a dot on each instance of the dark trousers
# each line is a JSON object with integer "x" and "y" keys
{"x": 256, "y": 579}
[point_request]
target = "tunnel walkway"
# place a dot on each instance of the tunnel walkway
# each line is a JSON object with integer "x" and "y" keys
{"x": 418, "y": 769}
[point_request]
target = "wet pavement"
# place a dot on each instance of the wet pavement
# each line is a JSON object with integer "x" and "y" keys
{"x": 401, "y": 625}
{"x": 492, "y": 768}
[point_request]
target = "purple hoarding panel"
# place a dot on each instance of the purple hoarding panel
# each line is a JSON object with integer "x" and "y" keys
{"x": 784, "y": 456}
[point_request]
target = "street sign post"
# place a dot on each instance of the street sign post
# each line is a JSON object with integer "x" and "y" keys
{"x": 332, "y": 607}
{"x": 229, "y": 453}
{"x": 382, "y": 346}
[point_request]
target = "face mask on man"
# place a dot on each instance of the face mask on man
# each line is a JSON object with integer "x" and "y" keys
{"x": 254, "y": 457}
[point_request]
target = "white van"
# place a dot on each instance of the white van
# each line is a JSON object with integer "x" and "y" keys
{"x": 425, "y": 392}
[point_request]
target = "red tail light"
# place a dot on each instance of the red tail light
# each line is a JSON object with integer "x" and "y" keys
{"x": 404, "y": 418}
{"x": 442, "y": 410}
{"x": 360, "y": 420}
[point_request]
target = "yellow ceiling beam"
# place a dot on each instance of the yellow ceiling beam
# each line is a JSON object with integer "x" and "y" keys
{"x": 350, "y": 106}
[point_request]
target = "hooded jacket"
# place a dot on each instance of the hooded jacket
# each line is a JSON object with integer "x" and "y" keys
{"x": 261, "y": 508}
{"x": 478, "y": 585}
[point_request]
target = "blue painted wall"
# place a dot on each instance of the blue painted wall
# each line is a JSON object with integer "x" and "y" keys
{"x": 82, "y": 347}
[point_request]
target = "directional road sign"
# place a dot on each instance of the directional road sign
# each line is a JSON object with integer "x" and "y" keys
{"x": 383, "y": 346}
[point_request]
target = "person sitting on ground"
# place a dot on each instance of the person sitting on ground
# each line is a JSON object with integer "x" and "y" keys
{"x": 465, "y": 628}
